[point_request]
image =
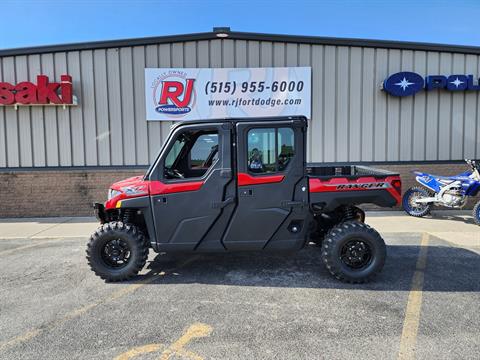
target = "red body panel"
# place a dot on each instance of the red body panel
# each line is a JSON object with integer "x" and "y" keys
{"x": 392, "y": 184}
{"x": 136, "y": 182}
{"x": 133, "y": 181}
{"x": 145, "y": 187}
{"x": 246, "y": 179}
{"x": 142, "y": 187}
{"x": 158, "y": 188}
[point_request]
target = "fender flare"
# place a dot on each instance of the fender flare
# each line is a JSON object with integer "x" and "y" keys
{"x": 143, "y": 204}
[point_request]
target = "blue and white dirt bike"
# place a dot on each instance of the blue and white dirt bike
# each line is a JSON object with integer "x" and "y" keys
{"x": 448, "y": 191}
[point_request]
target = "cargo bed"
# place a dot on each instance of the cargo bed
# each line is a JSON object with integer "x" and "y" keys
{"x": 331, "y": 186}
{"x": 346, "y": 171}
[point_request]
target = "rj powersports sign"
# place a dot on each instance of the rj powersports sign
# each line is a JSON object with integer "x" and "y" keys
{"x": 190, "y": 94}
{"x": 43, "y": 92}
{"x": 409, "y": 83}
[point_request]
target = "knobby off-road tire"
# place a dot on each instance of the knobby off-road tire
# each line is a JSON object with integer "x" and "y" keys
{"x": 117, "y": 251}
{"x": 476, "y": 213}
{"x": 421, "y": 209}
{"x": 353, "y": 252}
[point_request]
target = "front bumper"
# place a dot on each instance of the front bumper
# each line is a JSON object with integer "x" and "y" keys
{"x": 99, "y": 210}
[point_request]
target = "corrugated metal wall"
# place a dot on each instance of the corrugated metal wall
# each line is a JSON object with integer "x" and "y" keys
{"x": 352, "y": 119}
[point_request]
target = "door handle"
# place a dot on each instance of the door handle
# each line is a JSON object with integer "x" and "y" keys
{"x": 222, "y": 204}
{"x": 245, "y": 192}
{"x": 162, "y": 200}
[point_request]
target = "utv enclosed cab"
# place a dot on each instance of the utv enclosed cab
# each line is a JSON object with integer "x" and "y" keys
{"x": 242, "y": 185}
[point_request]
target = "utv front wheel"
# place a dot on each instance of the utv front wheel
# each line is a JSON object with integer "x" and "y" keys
{"x": 117, "y": 251}
{"x": 353, "y": 252}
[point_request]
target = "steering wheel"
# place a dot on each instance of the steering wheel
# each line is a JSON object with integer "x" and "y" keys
{"x": 173, "y": 173}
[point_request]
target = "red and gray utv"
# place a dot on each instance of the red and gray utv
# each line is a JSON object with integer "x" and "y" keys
{"x": 242, "y": 185}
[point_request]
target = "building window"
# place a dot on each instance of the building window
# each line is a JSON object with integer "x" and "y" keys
{"x": 269, "y": 150}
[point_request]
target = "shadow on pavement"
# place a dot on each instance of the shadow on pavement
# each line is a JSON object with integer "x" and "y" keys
{"x": 439, "y": 215}
{"x": 449, "y": 269}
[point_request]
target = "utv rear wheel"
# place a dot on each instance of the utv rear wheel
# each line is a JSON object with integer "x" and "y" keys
{"x": 117, "y": 251}
{"x": 410, "y": 205}
{"x": 353, "y": 252}
{"x": 322, "y": 226}
{"x": 476, "y": 213}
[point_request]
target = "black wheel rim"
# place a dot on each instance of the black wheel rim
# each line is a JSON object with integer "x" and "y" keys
{"x": 356, "y": 254}
{"x": 116, "y": 253}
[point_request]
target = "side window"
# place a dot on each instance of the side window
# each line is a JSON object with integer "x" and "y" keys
{"x": 192, "y": 154}
{"x": 204, "y": 151}
{"x": 269, "y": 150}
{"x": 285, "y": 149}
{"x": 174, "y": 152}
{"x": 261, "y": 150}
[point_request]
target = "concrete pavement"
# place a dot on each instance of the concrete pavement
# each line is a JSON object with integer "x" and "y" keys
{"x": 423, "y": 305}
{"x": 456, "y": 227}
{"x": 41, "y": 228}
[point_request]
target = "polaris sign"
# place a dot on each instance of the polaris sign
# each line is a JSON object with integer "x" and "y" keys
{"x": 409, "y": 83}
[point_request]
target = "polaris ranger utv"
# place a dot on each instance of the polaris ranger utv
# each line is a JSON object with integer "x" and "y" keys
{"x": 242, "y": 185}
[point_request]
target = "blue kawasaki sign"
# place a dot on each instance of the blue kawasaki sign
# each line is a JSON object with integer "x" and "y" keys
{"x": 409, "y": 83}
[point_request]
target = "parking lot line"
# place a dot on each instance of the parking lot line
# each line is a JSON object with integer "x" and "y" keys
{"x": 414, "y": 304}
{"x": 197, "y": 330}
{"x": 20, "y": 339}
{"x": 139, "y": 350}
{"x": 73, "y": 314}
{"x": 177, "y": 348}
{"x": 30, "y": 334}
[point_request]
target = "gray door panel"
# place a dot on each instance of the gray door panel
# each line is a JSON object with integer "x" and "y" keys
{"x": 184, "y": 219}
{"x": 267, "y": 212}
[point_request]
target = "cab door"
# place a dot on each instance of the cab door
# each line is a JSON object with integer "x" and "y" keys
{"x": 272, "y": 191}
{"x": 189, "y": 186}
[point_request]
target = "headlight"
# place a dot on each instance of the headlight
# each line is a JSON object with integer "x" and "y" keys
{"x": 112, "y": 193}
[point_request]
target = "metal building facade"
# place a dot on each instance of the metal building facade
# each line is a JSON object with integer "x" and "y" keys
{"x": 352, "y": 118}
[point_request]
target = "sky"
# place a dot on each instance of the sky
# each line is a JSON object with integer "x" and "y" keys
{"x": 47, "y": 22}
